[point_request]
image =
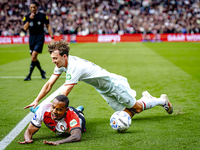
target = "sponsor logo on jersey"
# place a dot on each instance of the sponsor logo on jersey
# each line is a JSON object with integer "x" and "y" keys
{"x": 73, "y": 123}
{"x": 68, "y": 77}
{"x": 34, "y": 117}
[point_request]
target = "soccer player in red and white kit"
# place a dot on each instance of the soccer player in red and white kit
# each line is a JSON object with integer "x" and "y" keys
{"x": 59, "y": 118}
{"x": 113, "y": 88}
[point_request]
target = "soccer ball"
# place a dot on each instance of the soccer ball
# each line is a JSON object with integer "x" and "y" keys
{"x": 120, "y": 121}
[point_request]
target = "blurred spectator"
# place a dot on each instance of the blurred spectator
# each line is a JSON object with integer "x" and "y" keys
{"x": 106, "y": 16}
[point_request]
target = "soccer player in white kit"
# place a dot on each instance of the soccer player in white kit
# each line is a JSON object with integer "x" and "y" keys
{"x": 113, "y": 88}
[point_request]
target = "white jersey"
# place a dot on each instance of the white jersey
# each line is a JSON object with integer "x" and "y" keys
{"x": 113, "y": 88}
{"x": 82, "y": 70}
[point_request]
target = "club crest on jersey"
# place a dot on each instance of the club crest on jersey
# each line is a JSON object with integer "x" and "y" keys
{"x": 68, "y": 77}
{"x": 39, "y": 23}
{"x": 31, "y": 24}
{"x": 62, "y": 128}
{"x": 73, "y": 123}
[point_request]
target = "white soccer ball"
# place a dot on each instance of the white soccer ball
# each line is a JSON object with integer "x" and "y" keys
{"x": 120, "y": 121}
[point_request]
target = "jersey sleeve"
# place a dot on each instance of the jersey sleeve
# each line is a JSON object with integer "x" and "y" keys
{"x": 46, "y": 20}
{"x": 74, "y": 121}
{"x": 58, "y": 71}
{"x": 25, "y": 19}
{"x": 37, "y": 118}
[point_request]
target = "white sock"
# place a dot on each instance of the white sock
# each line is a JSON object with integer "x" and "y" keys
{"x": 151, "y": 102}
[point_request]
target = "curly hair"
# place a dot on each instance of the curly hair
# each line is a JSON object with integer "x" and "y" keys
{"x": 62, "y": 46}
{"x": 63, "y": 98}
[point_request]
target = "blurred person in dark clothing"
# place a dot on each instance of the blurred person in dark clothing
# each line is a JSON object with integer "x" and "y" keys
{"x": 35, "y": 21}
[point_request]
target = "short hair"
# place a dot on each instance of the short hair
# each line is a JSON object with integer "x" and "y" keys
{"x": 63, "y": 98}
{"x": 62, "y": 46}
{"x": 34, "y": 2}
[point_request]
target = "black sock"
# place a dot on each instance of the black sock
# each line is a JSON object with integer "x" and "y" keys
{"x": 37, "y": 63}
{"x": 32, "y": 66}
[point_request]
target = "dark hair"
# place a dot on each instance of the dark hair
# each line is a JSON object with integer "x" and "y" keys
{"x": 63, "y": 98}
{"x": 62, "y": 46}
{"x": 34, "y": 2}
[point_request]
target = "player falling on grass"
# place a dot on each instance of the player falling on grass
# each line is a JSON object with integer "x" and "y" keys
{"x": 113, "y": 88}
{"x": 35, "y": 21}
{"x": 59, "y": 118}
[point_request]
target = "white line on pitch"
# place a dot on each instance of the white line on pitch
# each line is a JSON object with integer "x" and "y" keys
{"x": 22, "y": 124}
{"x": 21, "y": 77}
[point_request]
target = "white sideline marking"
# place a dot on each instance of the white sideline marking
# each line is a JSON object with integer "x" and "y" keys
{"x": 22, "y": 124}
{"x": 21, "y": 77}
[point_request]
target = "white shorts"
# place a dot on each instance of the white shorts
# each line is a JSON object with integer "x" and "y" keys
{"x": 120, "y": 96}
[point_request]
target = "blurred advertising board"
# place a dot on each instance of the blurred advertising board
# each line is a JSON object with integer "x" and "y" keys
{"x": 106, "y": 38}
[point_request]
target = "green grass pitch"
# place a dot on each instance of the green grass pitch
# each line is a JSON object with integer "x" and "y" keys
{"x": 171, "y": 68}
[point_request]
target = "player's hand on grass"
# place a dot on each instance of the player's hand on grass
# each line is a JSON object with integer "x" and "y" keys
{"x": 26, "y": 142}
{"x": 33, "y": 104}
{"x": 51, "y": 142}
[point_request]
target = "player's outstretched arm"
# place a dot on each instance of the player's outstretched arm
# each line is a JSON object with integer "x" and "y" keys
{"x": 28, "y": 134}
{"x": 74, "y": 137}
{"x": 46, "y": 88}
{"x": 66, "y": 89}
{"x": 33, "y": 104}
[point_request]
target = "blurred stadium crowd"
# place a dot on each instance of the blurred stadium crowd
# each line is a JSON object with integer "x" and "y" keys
{"x": 84, "y": 17}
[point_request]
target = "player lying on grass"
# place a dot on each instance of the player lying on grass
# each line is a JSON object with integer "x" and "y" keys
{"x": 113, "y": 88}
{"x": 59, "y": 118}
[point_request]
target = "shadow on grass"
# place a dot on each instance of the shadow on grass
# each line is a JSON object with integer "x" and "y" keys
{"x": 100, "y": 129}
{"x": 48, "y": 137}
{"x": 156, "y": 118}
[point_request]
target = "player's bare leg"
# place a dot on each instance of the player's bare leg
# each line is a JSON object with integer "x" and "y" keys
{"x": 137, "y": 108}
